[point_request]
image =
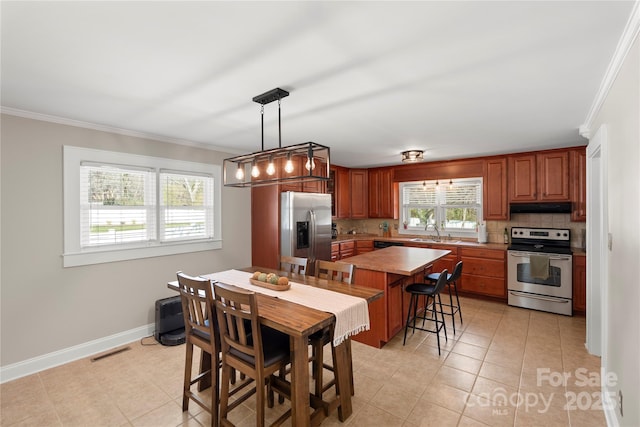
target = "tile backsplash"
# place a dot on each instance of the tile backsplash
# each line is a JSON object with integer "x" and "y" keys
{"x": 495, "y": 229}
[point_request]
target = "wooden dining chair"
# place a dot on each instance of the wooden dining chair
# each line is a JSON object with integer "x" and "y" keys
{"x": 253, "y": 349}
{"x": 200, "y": 330}
{"x": 340, "y": 272}
{"x": 292, "y": 264}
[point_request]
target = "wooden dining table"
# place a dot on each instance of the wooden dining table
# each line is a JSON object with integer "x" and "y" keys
{"x": 299, "y": 322}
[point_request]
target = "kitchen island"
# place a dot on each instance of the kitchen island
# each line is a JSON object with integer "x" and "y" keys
{"x": 390, "y": 270}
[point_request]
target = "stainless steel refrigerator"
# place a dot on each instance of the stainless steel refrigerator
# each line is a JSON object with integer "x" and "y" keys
{"x": 305, "y": 226}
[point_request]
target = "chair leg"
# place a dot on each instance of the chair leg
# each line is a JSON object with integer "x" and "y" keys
{"x": 318, "y": 361}
{"x": 188, "y": 364}
{"x": 224, "y": 393}
{"x": 455, "y": 289}
{"x": 453, "y": 313}
{"x": 436, "y": 324}
{"x": 215, "y": 380}
{"x": 260, "y": 382}
{"x": 424, "y": 312}
{"x": 444, "y": 325}
{"x": 282, "y": 374}
{"x": 406, "y": 325}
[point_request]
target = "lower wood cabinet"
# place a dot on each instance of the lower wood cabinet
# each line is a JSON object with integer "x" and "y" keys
{"x": 363, "y": 246}
{"x": 483, "y": 272}
{"x": 347, "y": 249}
{"x": 579, "y": 283}
{"x": 335, "y": 251}
{"x": 449, "y": 262}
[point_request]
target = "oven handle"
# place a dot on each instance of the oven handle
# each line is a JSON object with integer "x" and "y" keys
{"x": 525, "y": 295}
{"x": 521, "y": 254}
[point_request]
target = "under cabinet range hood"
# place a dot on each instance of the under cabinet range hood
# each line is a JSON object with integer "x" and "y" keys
{"x": 542, "y": 207}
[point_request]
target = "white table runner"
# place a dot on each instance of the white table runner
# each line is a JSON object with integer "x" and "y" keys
{"x": 352, "y": 313}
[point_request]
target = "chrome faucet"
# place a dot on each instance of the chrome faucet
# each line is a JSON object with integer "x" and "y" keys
{"x": 435, "y": 227}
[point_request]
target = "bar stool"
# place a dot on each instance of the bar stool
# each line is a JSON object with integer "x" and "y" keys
{"x": 430, "y": 292}
{"x": 451, "y": 279}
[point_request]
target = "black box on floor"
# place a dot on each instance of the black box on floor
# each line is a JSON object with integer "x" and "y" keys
{"x": 169, "y": 321}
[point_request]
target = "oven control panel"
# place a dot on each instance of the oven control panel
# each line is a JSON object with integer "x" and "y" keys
{"x": 558, "y": 234}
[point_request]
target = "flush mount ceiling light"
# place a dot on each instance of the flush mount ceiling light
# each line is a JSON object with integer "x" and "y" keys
{"x": 292, "y": 164}
{"x": 412, "y": 156}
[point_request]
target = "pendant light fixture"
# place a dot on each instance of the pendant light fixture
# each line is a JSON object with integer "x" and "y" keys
{"x": 290, "y": 164}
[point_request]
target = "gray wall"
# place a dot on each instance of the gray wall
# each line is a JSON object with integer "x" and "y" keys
{"x": 621, "y": 114}
{"x": 45, "y": 307}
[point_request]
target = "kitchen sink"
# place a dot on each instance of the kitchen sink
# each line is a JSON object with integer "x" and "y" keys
{"x": 421, "y": 240}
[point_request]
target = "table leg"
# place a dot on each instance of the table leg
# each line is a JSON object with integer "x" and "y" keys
{"x": 300, "y": 406}
{"x": 343, "y": 377}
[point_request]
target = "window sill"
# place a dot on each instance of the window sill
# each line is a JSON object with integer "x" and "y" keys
{"x": 104, "y": 256}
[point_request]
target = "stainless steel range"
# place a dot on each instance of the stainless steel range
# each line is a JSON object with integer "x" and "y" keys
{"x": 539, "y": 269}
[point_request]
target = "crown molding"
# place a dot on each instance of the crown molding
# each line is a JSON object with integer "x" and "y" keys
{"x": 104, "y": 128}
{"x": 629, "y": 36}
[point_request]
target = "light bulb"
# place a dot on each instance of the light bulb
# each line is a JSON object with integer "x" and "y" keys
{"x": 288, "y": 167}
{"x": 255, "y": 172}
{"x": 271, "y": 169}
{"x": 310, "y": 164}
{"x": 240, "y": 172}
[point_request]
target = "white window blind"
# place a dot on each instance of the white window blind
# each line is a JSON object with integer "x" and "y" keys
{"x": 117, "y": 205}
{"x": 455, "y": 206}
{"x": 186, "y": 206}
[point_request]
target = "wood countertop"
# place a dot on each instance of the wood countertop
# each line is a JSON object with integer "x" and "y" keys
{"x": 397, "y": 259}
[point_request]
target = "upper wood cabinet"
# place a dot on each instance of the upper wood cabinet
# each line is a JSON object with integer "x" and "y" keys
{"x": 381, "y": 194}
{"x": 522, "y": 178}
{"x": 578, "y": 182}
{"x": 539, "y": 177}
{"x": 359, "y": 193}
{"x": 495, "y": 190}
{"x": 553, "y": 176}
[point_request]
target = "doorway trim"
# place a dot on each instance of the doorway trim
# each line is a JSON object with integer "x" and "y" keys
{"x": 597, "y": 244}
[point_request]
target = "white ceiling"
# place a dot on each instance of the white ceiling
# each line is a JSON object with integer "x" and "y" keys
{"x": 368, "y": 79}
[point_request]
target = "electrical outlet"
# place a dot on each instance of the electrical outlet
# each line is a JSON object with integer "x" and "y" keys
{"x": 620, "y": 402}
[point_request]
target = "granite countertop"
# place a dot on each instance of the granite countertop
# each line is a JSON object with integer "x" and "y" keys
{"x": 397, "y": 259}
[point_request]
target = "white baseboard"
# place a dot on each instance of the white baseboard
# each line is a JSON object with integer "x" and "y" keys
{"x": 60, "y": 357}
{"x": 609, "y": 406}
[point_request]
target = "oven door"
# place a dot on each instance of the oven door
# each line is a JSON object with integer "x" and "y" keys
{"x": 558, "y": 282}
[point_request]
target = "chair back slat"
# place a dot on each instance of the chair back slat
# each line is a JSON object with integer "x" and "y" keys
{"x": 196, "y": 295}
{"x": 292, "y": 264}
{"x": 238, "y": 322}
{"x": 337, "y": 271}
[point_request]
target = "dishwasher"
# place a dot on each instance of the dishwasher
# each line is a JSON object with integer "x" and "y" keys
{"x": 380, "y": 244}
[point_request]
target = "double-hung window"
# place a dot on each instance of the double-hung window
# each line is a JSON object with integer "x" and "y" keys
{"x": 453, "y": 207}
{"x": 120, "y": 206}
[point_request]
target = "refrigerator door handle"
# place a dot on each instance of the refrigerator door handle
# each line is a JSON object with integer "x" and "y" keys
{"x": 312, "y": 236}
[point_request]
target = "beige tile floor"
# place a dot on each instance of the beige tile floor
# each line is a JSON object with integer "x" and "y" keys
{"x": 499, "y": 369}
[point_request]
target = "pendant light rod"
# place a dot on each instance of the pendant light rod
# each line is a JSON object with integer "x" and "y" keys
{"x": 262, "y": 125}
{"x": 279, "y": 128}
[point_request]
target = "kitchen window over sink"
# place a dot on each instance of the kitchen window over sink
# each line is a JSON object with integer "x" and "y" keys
{"x": 120, "y": 206}
{"x": 454, "y": 207}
